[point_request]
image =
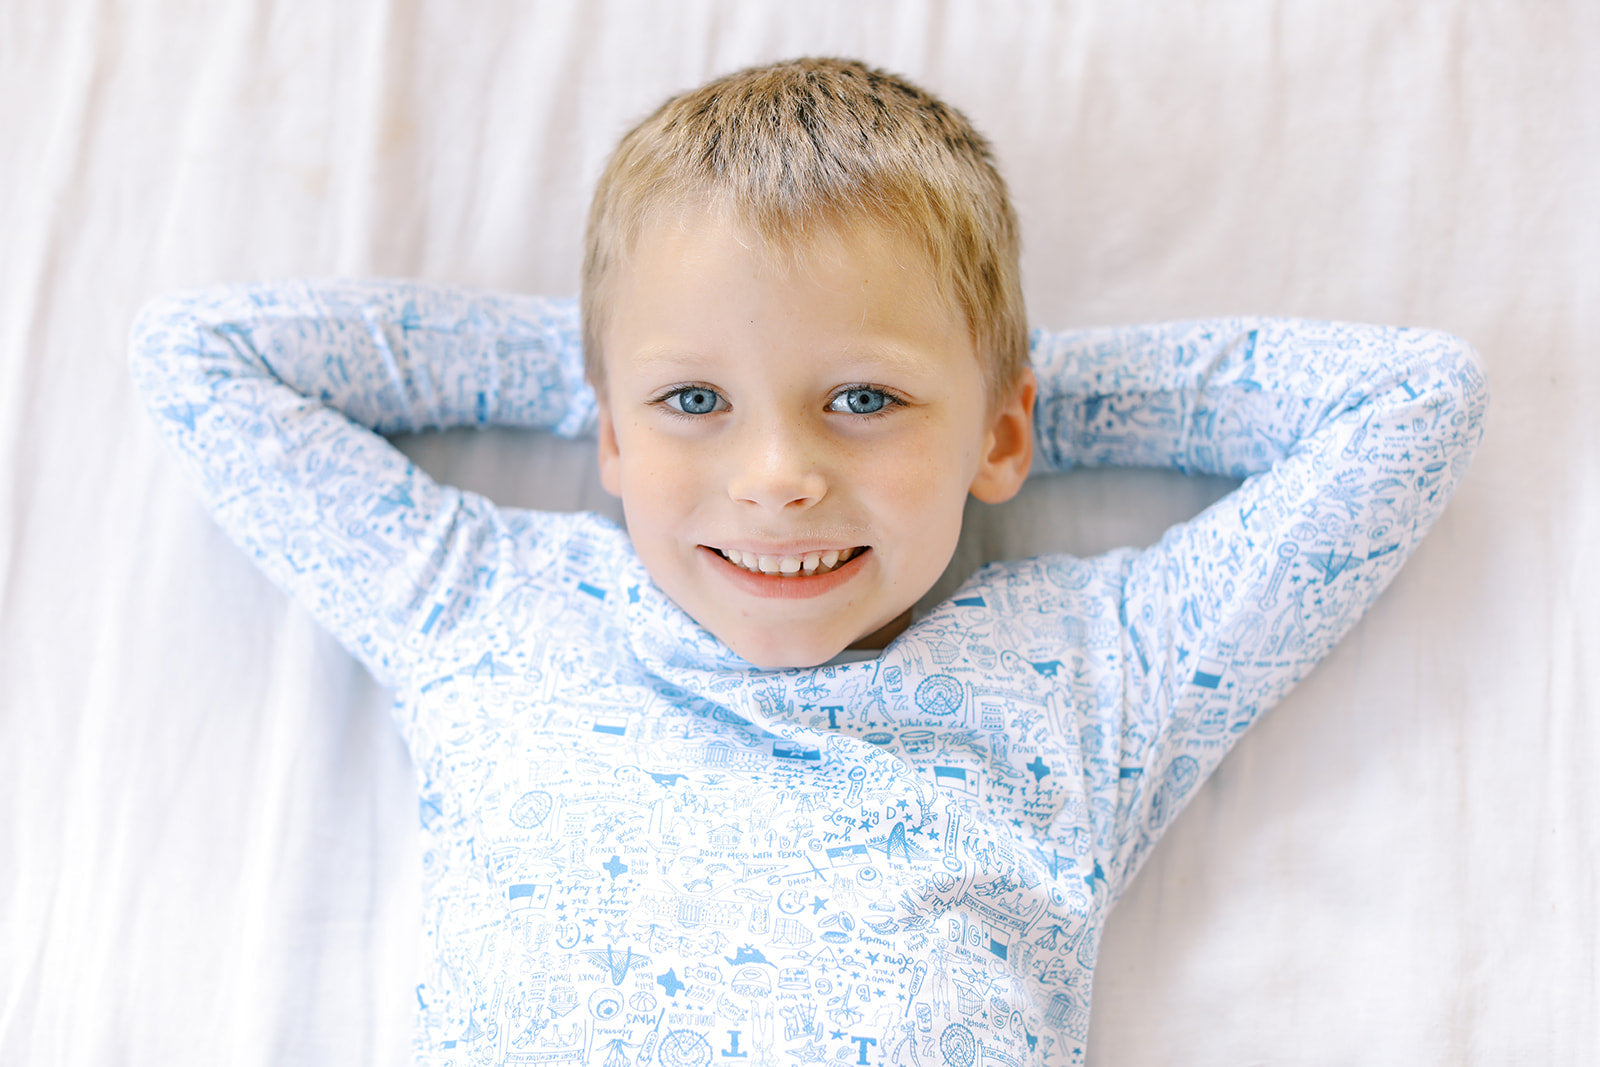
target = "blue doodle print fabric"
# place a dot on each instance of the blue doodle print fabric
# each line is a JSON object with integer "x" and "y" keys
{"x": 639, "y": 849}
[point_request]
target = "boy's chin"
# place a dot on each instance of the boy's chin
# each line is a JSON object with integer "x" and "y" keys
{"x": 881, "y": 637}
{"x": 790, "y": 649}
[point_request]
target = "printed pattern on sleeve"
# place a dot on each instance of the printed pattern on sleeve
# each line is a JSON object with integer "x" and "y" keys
{"x": 641, "y": 850}
{"x": 273, "y": 397}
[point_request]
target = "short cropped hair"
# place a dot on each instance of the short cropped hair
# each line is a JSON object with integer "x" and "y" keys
{"x": 812, "y": 144}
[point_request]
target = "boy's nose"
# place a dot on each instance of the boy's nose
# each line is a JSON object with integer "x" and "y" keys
{"x": 776, "y": 470}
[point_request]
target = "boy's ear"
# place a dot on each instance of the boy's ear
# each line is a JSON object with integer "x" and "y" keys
{"x": 610, "y": 455}
{"x": 1004, "y": 466}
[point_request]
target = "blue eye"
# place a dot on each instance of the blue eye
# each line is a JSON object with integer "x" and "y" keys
{"x": 695, "y": 400}
{"x": 859, "y": 400}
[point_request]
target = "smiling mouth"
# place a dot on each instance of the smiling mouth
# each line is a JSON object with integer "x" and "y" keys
{"x": 805, "y": 565}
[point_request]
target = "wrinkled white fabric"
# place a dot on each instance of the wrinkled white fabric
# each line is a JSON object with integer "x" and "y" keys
{"x": 209, "y": 843}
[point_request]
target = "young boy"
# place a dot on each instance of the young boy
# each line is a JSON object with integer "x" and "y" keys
{"x": 705, "y": 790}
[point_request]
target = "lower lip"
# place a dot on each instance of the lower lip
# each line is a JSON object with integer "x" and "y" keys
{"x": 798, "y": 587}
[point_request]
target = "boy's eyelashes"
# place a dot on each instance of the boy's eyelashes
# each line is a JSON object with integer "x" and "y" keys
{"x": 859, "y": 400}
{"x": 863, "y": 400}
{"x": 693, "y": 400}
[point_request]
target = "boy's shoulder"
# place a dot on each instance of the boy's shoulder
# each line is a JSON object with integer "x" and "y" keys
{"x": 1044, "y": 584}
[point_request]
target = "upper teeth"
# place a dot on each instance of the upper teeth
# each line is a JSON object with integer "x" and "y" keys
{"x": 805, "y": 563}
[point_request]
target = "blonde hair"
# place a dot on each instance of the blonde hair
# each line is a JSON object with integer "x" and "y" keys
{"x": 805, "y": 144}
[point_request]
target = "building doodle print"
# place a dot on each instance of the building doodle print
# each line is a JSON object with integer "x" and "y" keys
{"x": 638, "y": 849}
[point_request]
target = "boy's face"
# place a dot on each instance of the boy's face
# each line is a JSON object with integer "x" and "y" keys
{"x": 794, "y": 439}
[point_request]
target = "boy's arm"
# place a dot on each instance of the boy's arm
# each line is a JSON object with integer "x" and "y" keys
{"x": 272, "y": 393}
{"x": 1350, "y": 440}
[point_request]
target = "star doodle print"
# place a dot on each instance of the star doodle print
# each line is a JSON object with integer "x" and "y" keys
{"x": 638, "y": 848}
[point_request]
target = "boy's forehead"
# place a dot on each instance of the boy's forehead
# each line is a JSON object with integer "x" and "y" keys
{"x": 862, "y": 262}
{"x": 819, "y": 241}
{"x": 861, "y": 294}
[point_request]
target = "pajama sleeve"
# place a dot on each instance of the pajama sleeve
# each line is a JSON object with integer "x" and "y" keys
{"x": 275, "y": 396}
{"x": 1349, "y": 440}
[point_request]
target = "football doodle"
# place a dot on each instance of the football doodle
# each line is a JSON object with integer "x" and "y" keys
{"x": 638, "y": 849}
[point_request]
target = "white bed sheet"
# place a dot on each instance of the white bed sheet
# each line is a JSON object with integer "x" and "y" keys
{"x": 207, "y": 847}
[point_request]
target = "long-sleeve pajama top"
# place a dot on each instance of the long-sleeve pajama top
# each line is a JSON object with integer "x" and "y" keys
{"x": 640, "y": 849}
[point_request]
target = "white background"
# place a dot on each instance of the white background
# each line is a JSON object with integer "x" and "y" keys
{"x": 206, "y": 835}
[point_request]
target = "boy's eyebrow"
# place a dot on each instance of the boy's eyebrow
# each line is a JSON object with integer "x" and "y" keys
{"x": 667, "y": 356}
{"x": 891, "y": 356}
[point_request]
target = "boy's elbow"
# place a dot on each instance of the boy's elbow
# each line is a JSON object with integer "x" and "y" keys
{"x": 156, "y": 321}
{"x": 1472, "y": 378}
{"x": 163, "y": 341}
{"x": 152, "y": 323}
{"x": 1459, "y": 373}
